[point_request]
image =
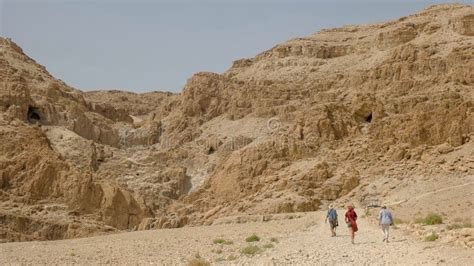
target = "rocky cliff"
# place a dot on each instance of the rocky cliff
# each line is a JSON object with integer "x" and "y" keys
{"x": 356, "y": 113}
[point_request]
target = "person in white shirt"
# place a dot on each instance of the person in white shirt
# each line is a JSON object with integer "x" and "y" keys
{"x": 385, "y": 221}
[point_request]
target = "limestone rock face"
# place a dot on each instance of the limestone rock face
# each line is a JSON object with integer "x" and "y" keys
{"x": 465, "y": 24}
{"x": 396, "y": 36}
{"x": 347, "y": 114}
{"x": 119, "y": 208}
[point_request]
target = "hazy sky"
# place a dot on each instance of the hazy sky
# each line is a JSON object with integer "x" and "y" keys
{"x": 156, "y": 45}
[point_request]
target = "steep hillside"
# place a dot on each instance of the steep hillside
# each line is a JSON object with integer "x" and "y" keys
{"x": 370, "y": 113}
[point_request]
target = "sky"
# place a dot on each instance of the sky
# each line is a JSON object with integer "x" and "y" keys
{"x": 145, "y": 46}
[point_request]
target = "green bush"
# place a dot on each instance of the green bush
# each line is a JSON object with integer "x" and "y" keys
{"x": 219, "y": 241}
{"x": 252, "y": 238}
{"x": 433, "y": 218}
{"x": 251, "y": 250}
{"x": 430, "y": 219}
{"x": 432, "y": 237}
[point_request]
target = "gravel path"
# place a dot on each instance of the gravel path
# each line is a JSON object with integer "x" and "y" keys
{"x": 304, "y": 240}
{"x": 316, "y": 246}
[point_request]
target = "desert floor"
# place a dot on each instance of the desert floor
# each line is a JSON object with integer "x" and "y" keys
{"x": 296, "y": 240}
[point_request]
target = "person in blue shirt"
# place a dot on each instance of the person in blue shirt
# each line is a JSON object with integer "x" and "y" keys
{"x": 332, "y": 217}
{"x": 385, "y": 221}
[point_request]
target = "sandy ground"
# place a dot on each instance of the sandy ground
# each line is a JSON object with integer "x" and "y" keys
{"x": 304, "y": 240}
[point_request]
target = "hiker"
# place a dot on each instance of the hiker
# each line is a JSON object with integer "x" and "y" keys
{"x": 332, "y": 216}
{"x": 351, "y": 218}
{"x": 385, "y": 221}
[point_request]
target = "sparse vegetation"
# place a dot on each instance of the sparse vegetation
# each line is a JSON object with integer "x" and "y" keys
{"x": 460, "y": 223}
{"x": 269, "y": 245}
{"x": 433, "y": 219}
{"x": 251, "y": 250}
{"x": 219, "y": 259}
{"x": 232, "y": 257}
{"x": 459, "y": 226}
{"x": 223, "y": 241}
{"x": 252, "y": 238}
{"x": 432, "y": 237}
{"x": 198, "y": 262}
{"x": 366, "y": 212}
{"x": 454, "y": 226}
{"x": 217, "y": 251}
{"x": 398, "y": 221}
{"x": 467, "y": 225}
{"x": 274, "y": 240}
{"x": 430, "y": 219}
{"x": 418, "y": 220}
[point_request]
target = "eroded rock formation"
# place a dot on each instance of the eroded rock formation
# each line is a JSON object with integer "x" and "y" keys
{"x": 312, "y": 120}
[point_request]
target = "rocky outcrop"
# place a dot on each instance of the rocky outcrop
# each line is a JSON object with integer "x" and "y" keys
{"x": 464, "y": 24}
{"x": 396, "y": 36}
{"x": 344, "y": 114}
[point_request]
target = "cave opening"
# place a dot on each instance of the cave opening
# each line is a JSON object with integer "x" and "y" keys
{"x": 368, "y": 118}
{"x": 211, "y": 150}
{"x": 33, "y": 115}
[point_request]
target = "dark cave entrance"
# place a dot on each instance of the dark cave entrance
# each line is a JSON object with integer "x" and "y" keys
{"x": 33, "y": 115}
{"x": 368, "y": 118}
{"x": 211, "y": 150}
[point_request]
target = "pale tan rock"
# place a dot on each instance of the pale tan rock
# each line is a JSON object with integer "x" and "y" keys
{"x": 348, "y": 114}
{"x": 445, "y": 148}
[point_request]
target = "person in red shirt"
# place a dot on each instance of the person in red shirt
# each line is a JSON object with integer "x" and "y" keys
{"x": 351, "y": 218}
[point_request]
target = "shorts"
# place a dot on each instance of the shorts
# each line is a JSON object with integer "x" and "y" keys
{"x": 333, "y": 223}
